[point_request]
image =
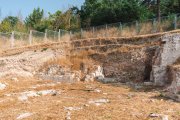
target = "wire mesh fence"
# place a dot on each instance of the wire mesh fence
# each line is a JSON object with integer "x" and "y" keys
{"x": 37, "y": 37}
{"x": 166, "y": 23}
{"x": 5, "y": 41}
{"x": 19, "y": 39}
{"x": 52, "y": 35}
{"x": 64, "y": 35}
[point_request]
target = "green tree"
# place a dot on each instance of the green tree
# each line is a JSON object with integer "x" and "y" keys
{"x": 34, "y": 19}
{"x": 5, "y": 26}
{"x": 12, "y": 20}
{"x": 110, "y": 11}
{"x": 20, "y": 27}
{"x": 68, "y": 20}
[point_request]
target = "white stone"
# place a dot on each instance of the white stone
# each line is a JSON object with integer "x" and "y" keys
{"x": 2, "y": 86}
{"x": 73, "y": 108}
{"x": 68, "y": 115}
{"x": 24, "y": 115}
{"x": 97, "y": 90}
{"x": 164, "y": 117}
{"x": 46, "y": 92}
{"x": 99, "y": 101}
{"x": 14, "y": 79}
{"x": 23, "y": 98}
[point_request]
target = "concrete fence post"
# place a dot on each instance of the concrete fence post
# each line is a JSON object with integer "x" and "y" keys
{"x": 120, "y": 27}
{"x": 45, "y": 36}
{"x": 154, "y": 26}
{"x": 70, "y": 34}
{"x": 12, "y": 39}
{"x": 137, "y": 27}
{"x": 93, "y": 30}
{"x": 30, "y": 37}
{"x": 81, "y": 33}
{"x": 59, "y": 35}
{"x": 106, "y": 30}
{"x": 175, "y": 22}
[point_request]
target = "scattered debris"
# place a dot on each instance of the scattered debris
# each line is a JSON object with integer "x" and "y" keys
{"x": 24, "y": 96}
{"x": 2, "y": 86}
{"x": 154, "y": 115}
{"x": 104, "y": 93}
{"x": 97, "y": 90}
{"x": 68, "y": 115}
{"x": 99, "y": 101}
{"x": 24, "y": 115}
{"x": 42, "y": 85}
{"x": 98, "y": 73}
{"x": 163, "y": 117}
{"x": 46, "y": 92}
{"x": 15, "y": 79}
{"x": 73, "y": 108}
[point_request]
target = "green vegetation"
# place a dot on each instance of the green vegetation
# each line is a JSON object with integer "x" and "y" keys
{"x": 92, "y": 13}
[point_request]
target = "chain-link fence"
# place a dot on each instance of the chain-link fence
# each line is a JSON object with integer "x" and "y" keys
{"x": 64, "y": 35}
{"x": 5, "y": 41}
{"x": 52, "y": 35}
{"x": 36, "y": 37}
{"x": 19, "y": 39}
{"x": 167, "y": 23}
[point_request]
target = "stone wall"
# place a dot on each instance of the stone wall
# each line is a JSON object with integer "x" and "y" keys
{"x": 124, "y": 59}
{"x": 98, "y": 42}
{"x": 173, "y": 91}
{"x": 124, "y": 66}
{"x": 166, "y": 55}
{"x": 134, "y": 59}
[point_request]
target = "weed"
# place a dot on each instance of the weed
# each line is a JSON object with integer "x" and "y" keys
{"x": 44, "y": 49}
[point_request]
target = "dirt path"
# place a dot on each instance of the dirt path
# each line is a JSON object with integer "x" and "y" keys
{"x": 34, "y": 99}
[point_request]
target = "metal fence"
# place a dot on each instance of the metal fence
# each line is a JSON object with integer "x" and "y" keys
{"x": 19, "y": 39}
{"x": 167, "y": 23}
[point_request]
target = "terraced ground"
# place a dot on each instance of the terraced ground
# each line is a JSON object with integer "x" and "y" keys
{"x": 35, "y": 99}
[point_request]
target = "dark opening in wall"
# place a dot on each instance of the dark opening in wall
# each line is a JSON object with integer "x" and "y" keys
{"x": 150, "y": 52}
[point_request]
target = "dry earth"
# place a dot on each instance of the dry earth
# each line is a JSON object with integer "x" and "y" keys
{"x": 36, "y": 99}
{"x": 82, "y": 101}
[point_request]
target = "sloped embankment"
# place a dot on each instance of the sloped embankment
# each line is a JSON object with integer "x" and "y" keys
{"x": 137, "y": 59}
{"x": 124, "y": 59}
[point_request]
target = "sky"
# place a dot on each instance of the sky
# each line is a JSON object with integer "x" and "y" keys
{"x": 25, "y": 7}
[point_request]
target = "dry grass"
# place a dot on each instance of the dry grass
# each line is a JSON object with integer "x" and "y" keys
{"x": 75, "y": 61}
{"x": 62, "y": 61}
{"x": 125, "y": 103}
{"x": 128, "y": 30}
{"x": 4, "y": 44}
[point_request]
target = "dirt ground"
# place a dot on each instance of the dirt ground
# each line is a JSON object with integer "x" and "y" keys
{"x": 83, "y": 101}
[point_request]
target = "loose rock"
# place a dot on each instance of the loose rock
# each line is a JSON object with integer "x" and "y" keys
{"x": 2, "y": 86}
{"x": 24, "y": 115}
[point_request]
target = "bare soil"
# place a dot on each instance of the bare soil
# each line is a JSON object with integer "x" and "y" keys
{"x": 123, "y": 102}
